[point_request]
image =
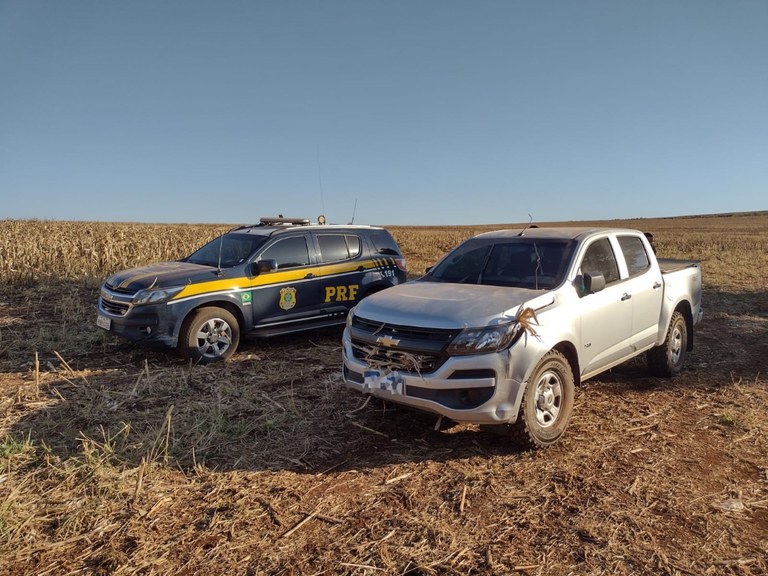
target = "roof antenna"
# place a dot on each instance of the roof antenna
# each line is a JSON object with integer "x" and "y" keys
{"x": 320, "y": 180}
{"x": 530, "y": 220}
{"x": 221, "y": 244}
{"x": 354, "y": 209}
{"x": 218, "y": 265}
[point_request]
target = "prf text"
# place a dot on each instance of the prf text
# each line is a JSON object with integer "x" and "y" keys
{"x": 341, "y": 293}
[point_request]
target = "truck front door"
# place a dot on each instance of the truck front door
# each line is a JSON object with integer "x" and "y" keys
{"x": 606, "y": 316}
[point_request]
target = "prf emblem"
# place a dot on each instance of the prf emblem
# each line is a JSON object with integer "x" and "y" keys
{"x": 287, "y": 298}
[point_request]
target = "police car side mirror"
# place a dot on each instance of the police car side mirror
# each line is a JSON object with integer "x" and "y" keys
{"x": 263, "y": 266}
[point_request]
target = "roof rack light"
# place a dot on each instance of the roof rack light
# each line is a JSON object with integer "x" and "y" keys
{"x": 284, "y": 221}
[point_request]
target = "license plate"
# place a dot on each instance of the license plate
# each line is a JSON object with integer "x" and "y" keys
{"x": 103, "y": 322}
{"x": 376, "y": 380}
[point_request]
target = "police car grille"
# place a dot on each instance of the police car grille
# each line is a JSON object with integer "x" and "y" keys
{"x": 379, "y": 356}
{"x": 114, "y": 308}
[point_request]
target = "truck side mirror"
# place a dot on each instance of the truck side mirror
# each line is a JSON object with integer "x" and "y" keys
{"x": 263, "y": 266}
{"x": 593, "y": 283}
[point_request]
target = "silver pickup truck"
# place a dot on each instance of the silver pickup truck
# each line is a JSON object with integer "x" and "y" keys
{"x": 504, "y": 326}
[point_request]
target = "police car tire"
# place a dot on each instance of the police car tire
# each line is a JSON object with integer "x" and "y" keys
{"x": 205, "y": 319}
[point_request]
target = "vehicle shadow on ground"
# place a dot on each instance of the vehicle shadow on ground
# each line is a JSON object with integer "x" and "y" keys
{"x": 189, "y": 418}
{"x": 303, "y": 421}
{"x": 281, "y": 405}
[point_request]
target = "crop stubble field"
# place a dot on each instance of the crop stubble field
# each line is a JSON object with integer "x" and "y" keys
{"x": 119, "y": 460}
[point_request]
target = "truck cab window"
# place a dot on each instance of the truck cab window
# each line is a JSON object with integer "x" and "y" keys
{"x": 464, "y": 265}
{"x": 600, "y": 259}
{"x": 634, "y": 254}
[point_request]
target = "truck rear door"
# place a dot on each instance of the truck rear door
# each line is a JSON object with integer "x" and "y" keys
{"x": 644, "y": 286}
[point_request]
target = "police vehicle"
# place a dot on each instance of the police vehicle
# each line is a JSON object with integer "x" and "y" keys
{"x": 279, "y": 276}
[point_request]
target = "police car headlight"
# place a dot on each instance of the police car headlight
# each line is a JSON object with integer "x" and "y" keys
{"x": 484, "y": 340}
{"x": 156, "y": 295}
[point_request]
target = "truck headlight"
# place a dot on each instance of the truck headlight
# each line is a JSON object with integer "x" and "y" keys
{"x": 484, "y": 340}
{"x": 156, "y": 295}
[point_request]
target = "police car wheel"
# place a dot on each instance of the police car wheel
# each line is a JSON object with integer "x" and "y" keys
{"x": 209, "y": 335}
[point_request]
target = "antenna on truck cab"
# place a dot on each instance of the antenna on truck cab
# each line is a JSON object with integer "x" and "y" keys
{"x": 530, "y": 220}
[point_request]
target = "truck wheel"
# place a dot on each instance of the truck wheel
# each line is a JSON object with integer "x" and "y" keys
{"x": 209, "y": 335}
{"x": 667, "y": 360}
{"x": 547, "y": 403}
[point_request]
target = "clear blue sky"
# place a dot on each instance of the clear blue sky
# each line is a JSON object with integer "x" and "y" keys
{"x": 423, "y": 111}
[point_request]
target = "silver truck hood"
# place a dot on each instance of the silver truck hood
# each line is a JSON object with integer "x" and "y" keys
{"x": 439, "y": 305}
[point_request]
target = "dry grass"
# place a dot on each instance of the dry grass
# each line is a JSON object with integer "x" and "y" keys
{"x": 53, "y": 249}
{"x": 116, "y": 459}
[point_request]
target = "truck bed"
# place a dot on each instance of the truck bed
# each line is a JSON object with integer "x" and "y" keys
{"x": 672, "y": 264}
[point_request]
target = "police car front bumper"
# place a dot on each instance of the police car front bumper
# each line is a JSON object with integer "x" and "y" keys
{"x": 140, "y": 324}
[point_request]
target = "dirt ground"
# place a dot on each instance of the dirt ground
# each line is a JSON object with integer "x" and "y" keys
{"x": 121, "y": 460}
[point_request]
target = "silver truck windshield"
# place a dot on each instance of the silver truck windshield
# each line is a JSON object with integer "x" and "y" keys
{"x": 227, "y": 251}
{"x": 521, "y": 262}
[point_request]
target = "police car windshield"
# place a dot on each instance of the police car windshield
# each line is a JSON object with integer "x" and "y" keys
{"x": 540, "y": 264}
{"x": 228, "y": 250}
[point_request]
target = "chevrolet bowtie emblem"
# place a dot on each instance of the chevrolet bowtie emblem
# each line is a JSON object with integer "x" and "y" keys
{"x": 387, "y": 341}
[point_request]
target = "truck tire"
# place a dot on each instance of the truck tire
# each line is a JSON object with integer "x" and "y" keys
{"x": 547, "y": 403}
{"x": 209, "y": 335}
{"x": 667, "y": 360}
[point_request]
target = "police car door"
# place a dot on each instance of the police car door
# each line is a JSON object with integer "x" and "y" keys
{"x": 290, "y": 294}
{"x": 343, "y": 270}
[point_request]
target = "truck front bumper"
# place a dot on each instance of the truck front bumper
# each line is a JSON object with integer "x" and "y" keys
{"x": 473, "y": 389}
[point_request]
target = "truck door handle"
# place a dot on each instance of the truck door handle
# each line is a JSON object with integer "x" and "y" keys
{"x": 360, "y": 268}
{"x": 310, "y": 275}
{"x": 625, "y": 296}
{"x": 656, "y": 285}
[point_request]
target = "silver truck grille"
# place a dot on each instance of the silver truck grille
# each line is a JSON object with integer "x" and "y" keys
{"x": 380, "y": 357}
{"x": 397, "y": 347}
